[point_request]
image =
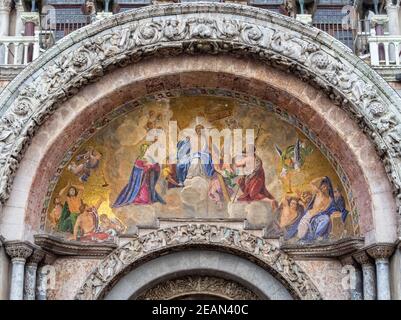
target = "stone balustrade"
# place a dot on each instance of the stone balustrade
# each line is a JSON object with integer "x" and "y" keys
{"x": 391, "y": 46}
{"x": 18, "y": 50}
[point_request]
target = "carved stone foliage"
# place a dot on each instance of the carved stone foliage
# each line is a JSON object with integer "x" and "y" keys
{"x": 362, "y": 257}
{"x": 229, "y": 239}
{"x": 381, "y": 250}
{"x": 18, "y": 250}
{"x": 194, "y": 285}
{"x": 198, "y": 28}
{"x": 36, "y": 257}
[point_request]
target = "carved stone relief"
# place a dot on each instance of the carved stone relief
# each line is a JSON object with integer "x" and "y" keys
{"x": 225, "y": 238}
{"x": 198, "y": 285}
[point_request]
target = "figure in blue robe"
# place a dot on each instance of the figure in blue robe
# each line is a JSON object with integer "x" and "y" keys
{"x": 141, "y": 187}
{"x": 185, "y": 158}
{"x": 319, "y": 226}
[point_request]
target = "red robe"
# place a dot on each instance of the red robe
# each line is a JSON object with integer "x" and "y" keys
{"x": 253, "y": 185}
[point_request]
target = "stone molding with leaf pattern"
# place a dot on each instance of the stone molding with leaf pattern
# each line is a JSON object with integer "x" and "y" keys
{"x": 153, "y": 244}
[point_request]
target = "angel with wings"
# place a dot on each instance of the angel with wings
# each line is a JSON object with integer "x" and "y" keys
{"x": 292, "y": 158}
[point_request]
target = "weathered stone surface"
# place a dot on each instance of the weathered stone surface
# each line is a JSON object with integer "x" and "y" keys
{"x": 231, "y": 240}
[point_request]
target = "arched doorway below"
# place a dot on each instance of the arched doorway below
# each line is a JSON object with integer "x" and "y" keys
{"x": 198, "y": 273}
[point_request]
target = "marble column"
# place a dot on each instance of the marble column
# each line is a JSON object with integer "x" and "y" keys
{"x": 368, "y": 275}
{"x": 5, "y": 8}
{"x": 381, "y": 253}
{"x": 44, "y": 277}
{"x": 393, "y": 28}
{"x": 30, "y": 20}
{"x": 30, "y": 273}
{"x": 18, "y": 252}
{"x": 379, "y": 21}
{"x": 355, "y": 275}
{"x": 19, "y": 24}
{"x": 392, "y": 13}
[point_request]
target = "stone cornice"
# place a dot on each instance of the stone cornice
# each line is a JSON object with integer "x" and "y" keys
{"x": 190, "y": 236}
{"x": 336, "y": 249}
{"x": 60, "y": 247}
{"x": 18, "y": 250}
{"x": 381, "y": 250}
{"x": 199, "y": 28}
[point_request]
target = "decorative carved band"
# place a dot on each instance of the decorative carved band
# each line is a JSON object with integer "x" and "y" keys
{"x": 173, "y": 29}
{"x": 195, "y": 285}
{"x": 202, "y": 235}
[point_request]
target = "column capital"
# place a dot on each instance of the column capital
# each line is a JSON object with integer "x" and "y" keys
{"x": 5, "y": 5}
{"x": 379, "y": 19}
{"x": 18, "y": 250}
{"x": 362, "y": 258}
{"x": 381, "y": 250}
{"x": 36, "y": 257}
{"x": 30, "y": 17}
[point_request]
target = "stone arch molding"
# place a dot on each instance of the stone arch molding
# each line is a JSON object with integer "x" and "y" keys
{"x": 198, "y": 28}
{"x": 156, "y": 243}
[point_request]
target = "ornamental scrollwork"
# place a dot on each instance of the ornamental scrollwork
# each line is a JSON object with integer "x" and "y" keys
{"x": 148, "y": 245}
{"x": 201, "y": 28}
{"x": 193, "y": 285}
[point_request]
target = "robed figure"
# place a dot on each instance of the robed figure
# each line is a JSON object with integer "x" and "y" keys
{"x": 316, "y": 222}
{"x": 192, "y": 163}
{"x": 253, "y": 185}
{"x": 141, "y": 187}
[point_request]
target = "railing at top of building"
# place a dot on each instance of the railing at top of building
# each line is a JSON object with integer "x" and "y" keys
{"x": 18, "y": 50}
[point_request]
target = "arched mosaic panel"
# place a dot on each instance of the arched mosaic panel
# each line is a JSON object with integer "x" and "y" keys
{"x": 111, "y": 181}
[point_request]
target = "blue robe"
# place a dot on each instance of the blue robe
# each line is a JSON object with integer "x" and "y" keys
{"x": 184, "y": 158}
{"x": 130, "y": 191}
{"x": 320, "y": 225}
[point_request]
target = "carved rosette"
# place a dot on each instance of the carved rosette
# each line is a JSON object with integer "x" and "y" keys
{"x": 229, "y": 239}
{"x": 193, "y": 285}
{"x": 362, "y": 258}
{"x": 18, "y": 251}
{"x": 381, "y": 251}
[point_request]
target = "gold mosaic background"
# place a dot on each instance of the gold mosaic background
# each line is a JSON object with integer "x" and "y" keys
{"x": 119, "y": 144}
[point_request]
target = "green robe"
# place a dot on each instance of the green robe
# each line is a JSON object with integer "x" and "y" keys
{"x": 67, "y": 220}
